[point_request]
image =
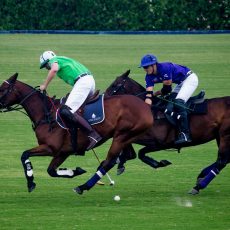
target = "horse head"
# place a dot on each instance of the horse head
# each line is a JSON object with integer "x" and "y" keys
{"x": 125, "y": 85}
{"x": 117, "y": 86}
{"x": 8, "y": 95}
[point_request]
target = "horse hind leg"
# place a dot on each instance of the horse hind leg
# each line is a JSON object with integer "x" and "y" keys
{"x": 150, "y": 161}
{"x": 210, "y": 172}
{"x": 204, "y": 172}
{"x": 126, "y": 154}
{"x": 206, "y": 176}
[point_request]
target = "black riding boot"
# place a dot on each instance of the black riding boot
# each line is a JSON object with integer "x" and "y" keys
{"x": 80, "y": 122}
{"x": 182, "y": 121}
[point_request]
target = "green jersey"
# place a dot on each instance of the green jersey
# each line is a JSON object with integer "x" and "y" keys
{"x": 69, "y": 69}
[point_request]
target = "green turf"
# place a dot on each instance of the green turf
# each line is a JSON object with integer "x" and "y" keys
{"x": 150, "y": 199}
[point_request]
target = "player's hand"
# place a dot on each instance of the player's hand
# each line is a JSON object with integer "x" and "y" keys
{"x": 42, "y": 87}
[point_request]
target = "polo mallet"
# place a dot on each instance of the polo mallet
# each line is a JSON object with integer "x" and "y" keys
{"x": 112, "y": 182}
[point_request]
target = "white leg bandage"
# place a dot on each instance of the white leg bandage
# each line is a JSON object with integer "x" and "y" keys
{"x": 65, "y": 172}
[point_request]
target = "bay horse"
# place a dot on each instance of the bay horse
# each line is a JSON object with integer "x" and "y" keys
{"x": 214, "y": 125}
{"x": 126, "y": 117}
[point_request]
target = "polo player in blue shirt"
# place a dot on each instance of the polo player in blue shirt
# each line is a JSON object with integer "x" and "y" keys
{"x": 167, "y": 73}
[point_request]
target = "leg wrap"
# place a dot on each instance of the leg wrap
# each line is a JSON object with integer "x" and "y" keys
{"x": 211, "y": 175}
{"x": 95, "y": 178}
{"x": 206, "y": 170}
{"x": 24, "y": 157}
{"x": 27, "y": 164}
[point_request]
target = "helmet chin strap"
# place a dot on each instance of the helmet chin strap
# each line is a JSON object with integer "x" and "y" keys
{"x": 43, "y": 58}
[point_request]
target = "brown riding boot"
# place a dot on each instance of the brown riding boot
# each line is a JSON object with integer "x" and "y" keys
{"x": 93, "y": 135}
{"x": 78, "y": 121}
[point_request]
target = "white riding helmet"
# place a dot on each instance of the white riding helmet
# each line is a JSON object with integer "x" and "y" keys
{"x": 45, "y": 57}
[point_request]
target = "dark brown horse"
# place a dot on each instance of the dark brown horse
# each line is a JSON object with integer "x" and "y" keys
{"x": 214, "y": 125}
{"x": 124, "y": 122}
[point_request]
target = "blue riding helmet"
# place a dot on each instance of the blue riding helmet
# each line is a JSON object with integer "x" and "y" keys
{"x": 147, "y": 60}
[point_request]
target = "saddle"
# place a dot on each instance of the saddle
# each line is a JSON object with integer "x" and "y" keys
{"x": 163, "y": 107}
{"x": 89, "y": 99}
{"x": 92, "y": 109}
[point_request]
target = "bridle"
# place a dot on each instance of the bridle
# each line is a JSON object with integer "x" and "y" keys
{"x": 18, "y": 107}
{"x": 4, "y": 108}
{"x": 121, "y": 88}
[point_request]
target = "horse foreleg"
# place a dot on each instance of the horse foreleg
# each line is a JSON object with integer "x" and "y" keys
{"x": 104, "y": 167}
{"x": 150, "y": 161}
{"x": 53, "y": 170}
{"x": 41, "y": 150}
{"x": 126, "y": 154}
{"x": 102, "y": 170}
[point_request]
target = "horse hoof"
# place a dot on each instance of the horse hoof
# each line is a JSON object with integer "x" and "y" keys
{"x": 31, "y": 187}
{"x": 193, "y": 191}
{"x": 79, "y": 171}
{"x": 120, "y": 170}
{"x": 78, "y": 190}
{"x": 164, "y": 163}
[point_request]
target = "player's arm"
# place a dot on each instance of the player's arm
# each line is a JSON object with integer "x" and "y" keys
{"x": 52, "y": 72}
{"x": 149, "y": 95}
{"x": 167, "y": 87}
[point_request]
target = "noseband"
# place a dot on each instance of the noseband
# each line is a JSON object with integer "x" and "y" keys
{"x": 5, "y": 93}
{"x": 9, "y": 90}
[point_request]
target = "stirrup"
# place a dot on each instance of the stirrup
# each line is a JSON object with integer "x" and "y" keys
{"x": 93, "y": 142}
{"x": 183, "y": 138}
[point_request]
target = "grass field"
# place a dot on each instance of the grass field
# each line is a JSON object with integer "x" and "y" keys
{"x": 150, "y": 199}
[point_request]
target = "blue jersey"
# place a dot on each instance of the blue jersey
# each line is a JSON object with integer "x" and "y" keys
{"x": 167, "y": 71}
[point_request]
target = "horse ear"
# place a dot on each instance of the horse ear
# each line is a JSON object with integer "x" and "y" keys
{"x": 126, "y": 74}
{"x": 13, "y": 78}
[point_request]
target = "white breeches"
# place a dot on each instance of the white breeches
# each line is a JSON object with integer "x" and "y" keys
{"x": 186, "y": 88}
{"x": 83, "y": 88}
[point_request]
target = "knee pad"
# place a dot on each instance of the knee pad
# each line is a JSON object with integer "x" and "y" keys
{"x": 64, "y": 111}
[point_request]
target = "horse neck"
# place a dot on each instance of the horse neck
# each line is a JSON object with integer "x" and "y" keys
{"x": 31, "y": 101}
{"x": 135, "y": 88}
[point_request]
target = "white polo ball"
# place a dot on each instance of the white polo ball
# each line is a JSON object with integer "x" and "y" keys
{"x": 117, "y": 198}
{"x": 112, "y": 182}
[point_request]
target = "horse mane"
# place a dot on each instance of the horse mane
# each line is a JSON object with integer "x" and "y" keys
{"x": 124, "y": 83}
{"x": 44, "y": 99}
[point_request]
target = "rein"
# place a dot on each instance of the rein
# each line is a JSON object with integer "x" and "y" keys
{"x": 19, "y": 106}
{"x": 121, "y": 87}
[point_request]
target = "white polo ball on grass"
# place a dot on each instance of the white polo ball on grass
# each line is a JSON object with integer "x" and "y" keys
{"x": 117, "y": 198}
